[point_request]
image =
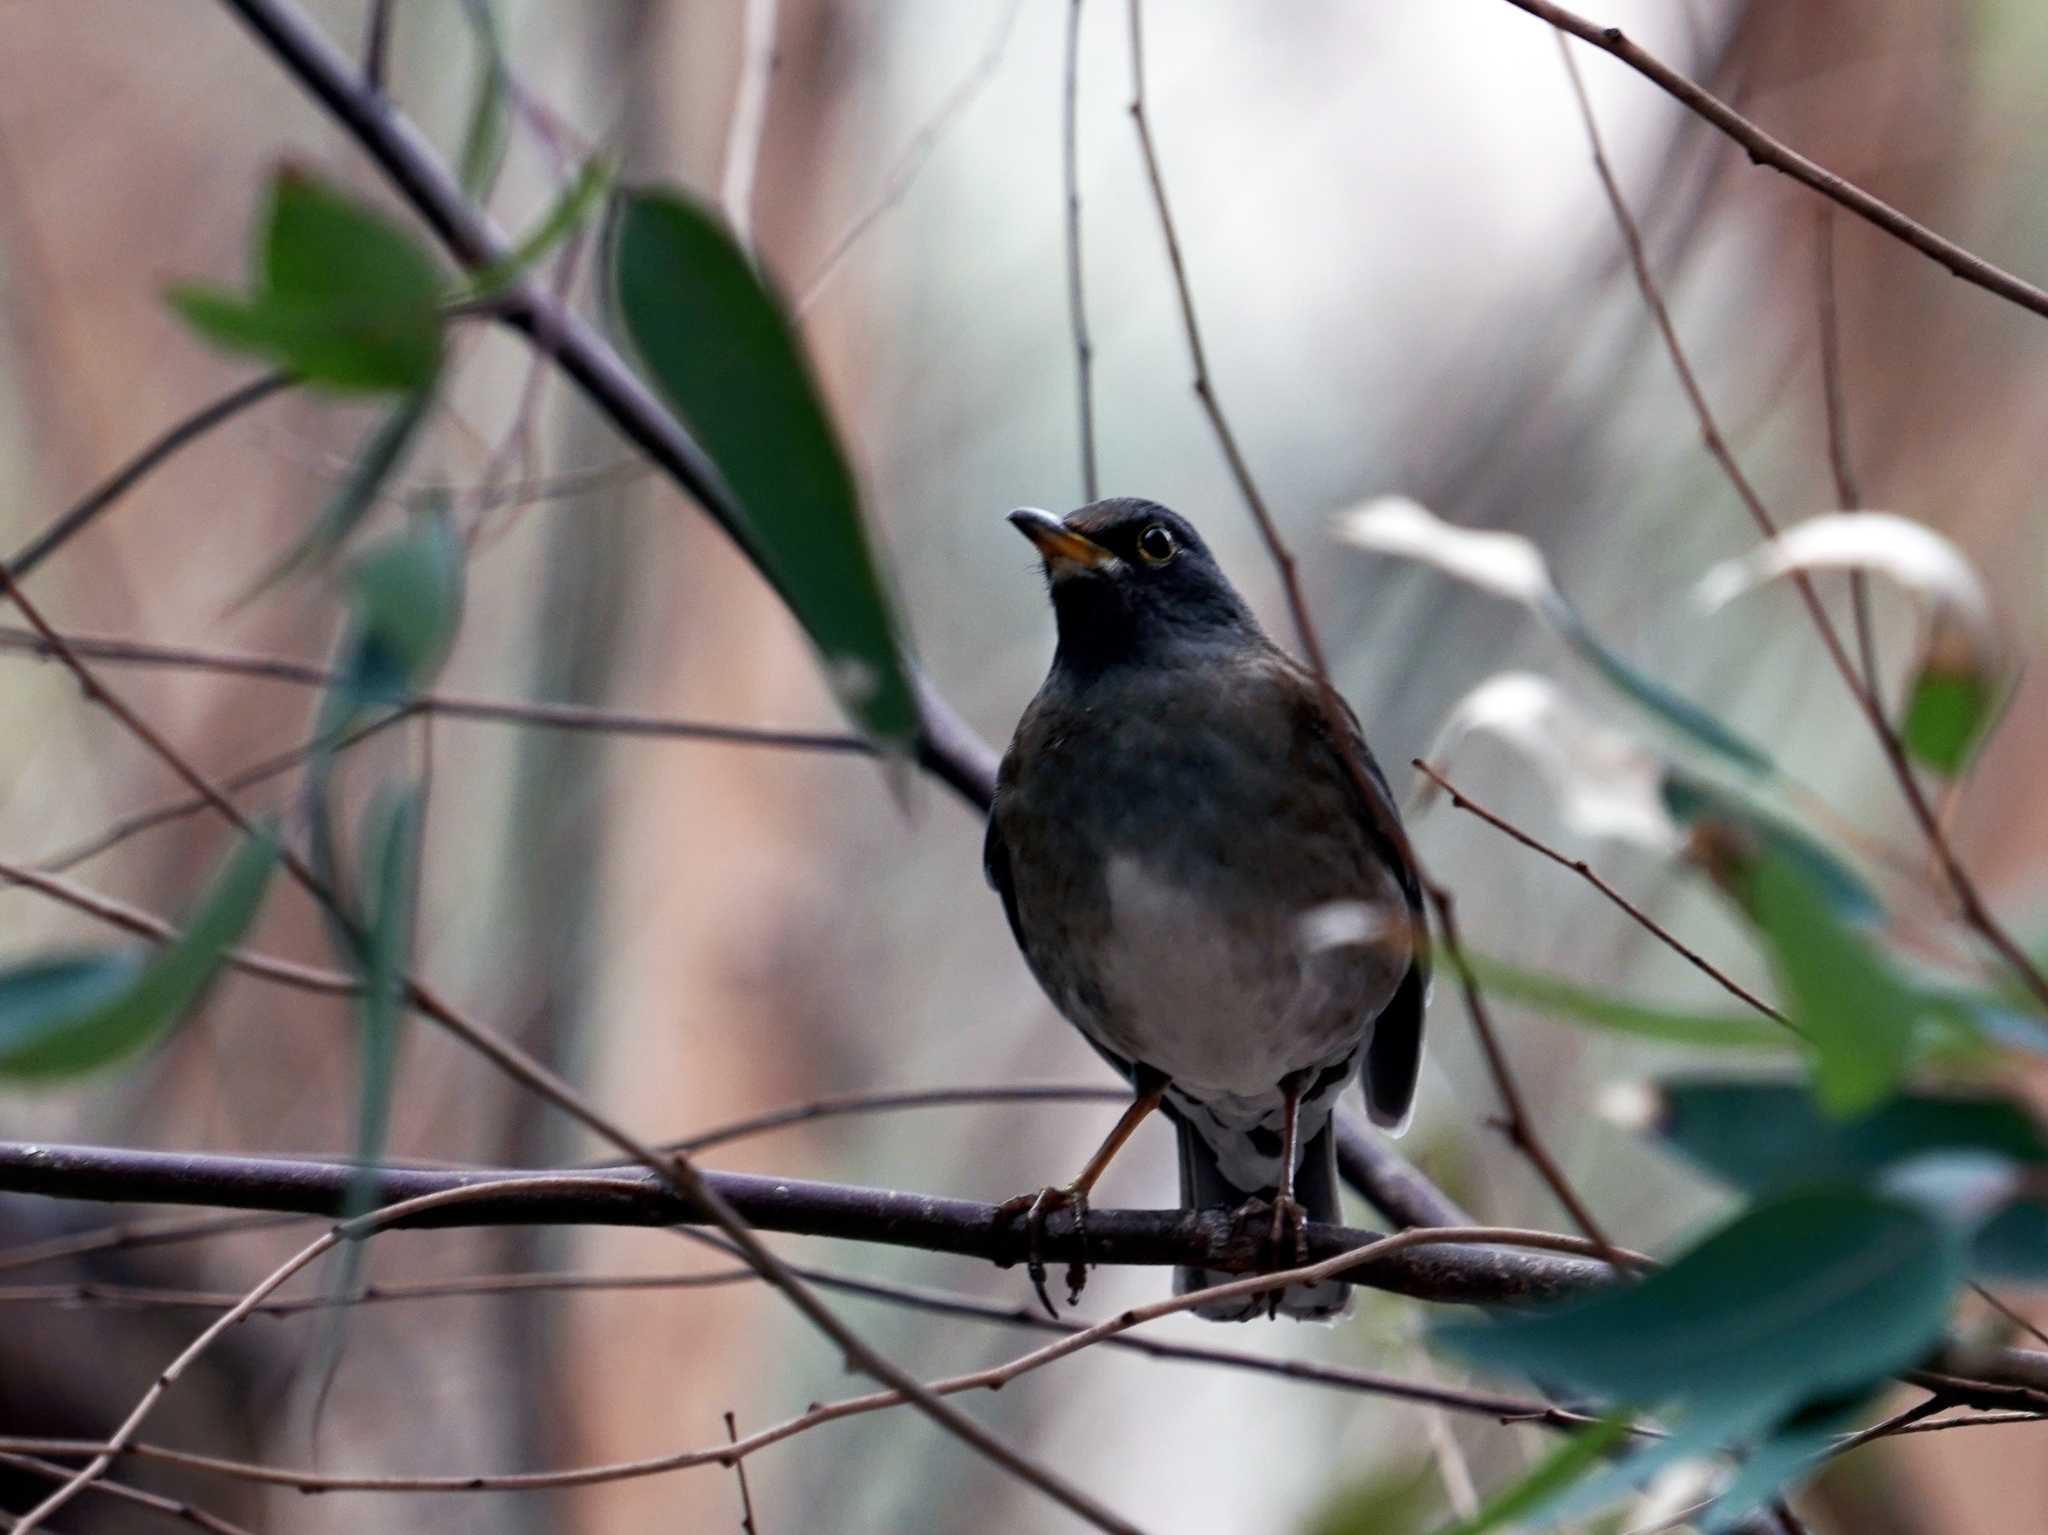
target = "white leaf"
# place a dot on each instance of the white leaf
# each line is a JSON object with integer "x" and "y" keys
{"x": 1910, "y": 553}
{"x": 1607, "y": 784}
{"x": 1505, "y": 564}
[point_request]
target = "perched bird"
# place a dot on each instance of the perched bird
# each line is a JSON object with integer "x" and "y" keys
{"x": 1201, "y": 885}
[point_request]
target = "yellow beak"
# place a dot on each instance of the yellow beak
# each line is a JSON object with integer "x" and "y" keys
{"x": 1065, "y": 552}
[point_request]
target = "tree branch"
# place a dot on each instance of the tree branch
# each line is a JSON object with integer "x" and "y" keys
{"x": 1763, "y": 149}
{"x": 930, "y": 1223}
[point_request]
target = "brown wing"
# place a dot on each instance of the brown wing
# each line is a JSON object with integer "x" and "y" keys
{"x": 1393, "y": 1060}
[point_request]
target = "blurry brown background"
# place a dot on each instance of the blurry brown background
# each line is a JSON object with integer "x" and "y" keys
{"x": 1409, "y": 282}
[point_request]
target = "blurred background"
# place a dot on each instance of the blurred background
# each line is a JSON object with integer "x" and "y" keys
{"x": 1408, "y": 281}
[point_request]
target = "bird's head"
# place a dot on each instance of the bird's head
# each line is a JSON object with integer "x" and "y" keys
{"x": 1132, "y": 581}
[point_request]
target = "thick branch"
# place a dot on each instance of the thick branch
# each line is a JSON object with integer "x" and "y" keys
{"x": 631, "y": 1196}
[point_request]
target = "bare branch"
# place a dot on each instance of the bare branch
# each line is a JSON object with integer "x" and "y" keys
{"x": 184, "y": 1513}
{"x": 129, "y": 475}
{"x": 1580, "y": 867}
{"x": 1077, "y": 304}
{"x": 929, "y": 1223}
{"x": 1763, "y": 149}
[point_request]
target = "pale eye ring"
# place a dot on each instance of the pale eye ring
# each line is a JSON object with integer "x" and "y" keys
{"x": 1156, "y": 545}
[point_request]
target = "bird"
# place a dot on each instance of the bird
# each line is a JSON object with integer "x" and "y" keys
{"x": 1203, "y": 885}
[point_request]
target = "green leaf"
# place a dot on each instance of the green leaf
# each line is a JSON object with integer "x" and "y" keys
{"x": 719, "y": 348}
{"x": 1733, "y": 837}
{"x": 1857, "y": 1013}
{"x": 1553, "y": 1475}
{"x": 1767, "y": 1137}
{"x": 1618, "y": 1015}
{"x": 1802, "y": 1299}
{"x": 1399, "y": 1498}
{"x": 1675, "y": 710}
{"x": 341, "y": 296}
{"x": 569, "y": 213}
{"x": 1948, "y": 714}
{"x": 405, "y": 596}
{"x": 483, "y": 139}
{"x": 390, "y": 879}
{"x": 382, "y": 453}
{"x": 66, "y": 1014}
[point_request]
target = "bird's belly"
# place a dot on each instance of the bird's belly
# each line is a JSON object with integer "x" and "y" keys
{"x": 1228, "y": 1000}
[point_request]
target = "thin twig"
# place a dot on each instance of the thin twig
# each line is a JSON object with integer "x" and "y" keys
{"x": 119, "y": 1440}
{"x": 1974, "y": 910}
{"x": 103, "y": 495}
{"x": 910, "y": 164}
{"x": 1520, "y": 1128}
{"x": 2006, "y": 1310}
{"x": 377, "y": 45}
{"x": 1847, "y": 496}
{"x": 125, "y": 652}
{"x": 739, "y": 1466}
{"x": 1077, "y": 305}
{"x": 1765, "y": 150}
{"x": 185, "y": 1513}
{"x": 992, "y": 1378}
{"x": 1579, "y": 866}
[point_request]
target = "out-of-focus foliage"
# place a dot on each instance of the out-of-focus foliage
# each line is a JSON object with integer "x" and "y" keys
{"x": 71, "y": 1012}
{"x": 339, "y": 295}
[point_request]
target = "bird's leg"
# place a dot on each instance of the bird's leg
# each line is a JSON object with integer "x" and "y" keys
{"x": 1036, "y": 1207}
{"x": 1287, "y": 1211}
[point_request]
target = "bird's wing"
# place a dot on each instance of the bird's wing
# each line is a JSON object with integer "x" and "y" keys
{"x": 995, "y": 867}
{"x": 1393, "y": 1060}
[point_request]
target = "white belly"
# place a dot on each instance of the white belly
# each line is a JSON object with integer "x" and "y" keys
{"x": 1227, "y": 1005}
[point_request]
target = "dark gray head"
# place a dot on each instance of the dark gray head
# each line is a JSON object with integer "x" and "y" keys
{"x": 1132, "y": 581}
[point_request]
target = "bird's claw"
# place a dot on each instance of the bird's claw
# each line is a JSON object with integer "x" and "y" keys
{"x": 1036, "y": 1208}
{"x": 1282, "y": 1216}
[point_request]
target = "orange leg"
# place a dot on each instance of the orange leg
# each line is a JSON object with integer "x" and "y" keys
{"x": 1036, "y": 1207}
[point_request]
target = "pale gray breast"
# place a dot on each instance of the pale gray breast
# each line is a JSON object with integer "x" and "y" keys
{"x": 1228, "y": 1000}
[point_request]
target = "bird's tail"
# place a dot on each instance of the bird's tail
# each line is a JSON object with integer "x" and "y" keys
{"x": 1203, "y": 1187}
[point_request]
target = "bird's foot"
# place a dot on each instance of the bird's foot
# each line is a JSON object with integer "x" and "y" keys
{"x": 1035, "y": 1208}
{"x": 1284, "y": 1218}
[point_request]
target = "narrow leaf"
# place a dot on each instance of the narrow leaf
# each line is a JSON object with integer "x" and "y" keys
{"x": 484, "y": 137}
{"x": 1858, "y": 1014}
{"x": 1732, "y": 838}
{"x": 1554, "y": 1475}
{"x": 353, "y": 500}
{"x": 718, "y": 346}
{"x": 1574, "y": 1003}
{"x": 569, "y": 212}
{"x": 1949, "y": 712}
{"x": 67, "y": 1014}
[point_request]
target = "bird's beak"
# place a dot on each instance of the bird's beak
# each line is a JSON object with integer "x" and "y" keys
{"x": 1066, "y": 553}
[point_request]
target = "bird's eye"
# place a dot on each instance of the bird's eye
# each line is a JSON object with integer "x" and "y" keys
{"x": 1156, "y": 545}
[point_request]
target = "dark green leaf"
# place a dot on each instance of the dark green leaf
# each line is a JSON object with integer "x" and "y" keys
{"x": 71, "y": 1013}
{"x": 1684, "y": 716}
{"x": 1553, "y": 1475}
{"x": 719, "y": 348}
{"x": 1767, "y": 1137}
{"x": 1948, "y": 713}
{"x": 1801, "y": 1299}
{"x": 1617, "y": 1015}
{"x": 341, "y": 296}
{"x": 2013, "y": 1244}
{"x": 1849, "y": 1003}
